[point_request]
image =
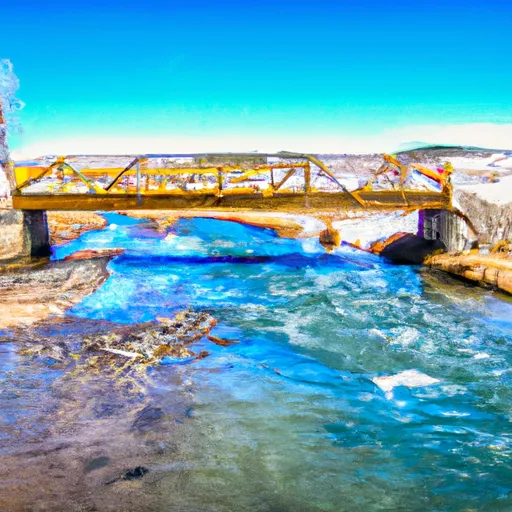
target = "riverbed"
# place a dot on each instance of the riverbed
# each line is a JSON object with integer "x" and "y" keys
{"x": 292, "y": 416}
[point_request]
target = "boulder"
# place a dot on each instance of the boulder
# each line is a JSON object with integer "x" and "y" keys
{"x": 411, "y": 249}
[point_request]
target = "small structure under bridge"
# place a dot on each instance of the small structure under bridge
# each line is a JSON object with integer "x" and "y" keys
{"x": 284, "y": 181}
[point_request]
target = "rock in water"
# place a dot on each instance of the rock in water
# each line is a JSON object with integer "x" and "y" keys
{"x": 132, "y": 474}
{"x": 411, "y": 249}
{"x": 330, "y": 238}
{"x": 135, "y": 473}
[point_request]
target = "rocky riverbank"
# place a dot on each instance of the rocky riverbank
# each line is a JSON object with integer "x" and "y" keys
{"x": 489, "y": 207}
{"x": 68, "y": 225}
{"x": 29, "y": 294}
{"x": 487, "y": 270}
{"x": 63, "y": 226}
{"x": 13, "y": 239}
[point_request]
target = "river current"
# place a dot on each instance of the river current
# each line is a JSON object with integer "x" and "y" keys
{"x": 290, "y": 418}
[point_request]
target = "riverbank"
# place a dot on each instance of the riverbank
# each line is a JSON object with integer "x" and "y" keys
{"x": 489, "y": 206}
{"x": 30, "y": 294}
{"x": 69, "y": 225}
{"x": 286, "y": 225}
{"x": 486, "y": 270}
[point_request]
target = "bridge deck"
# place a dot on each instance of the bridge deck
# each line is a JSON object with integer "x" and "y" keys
{"x": 374, "y": 200}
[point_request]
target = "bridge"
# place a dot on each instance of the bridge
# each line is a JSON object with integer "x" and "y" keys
{"x": 284, "y": 181}
{"x": 280, "y": 181}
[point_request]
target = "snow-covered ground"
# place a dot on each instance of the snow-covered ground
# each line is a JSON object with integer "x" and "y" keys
{"x": 374, "y": 227}
{"x": 498, "y": 193}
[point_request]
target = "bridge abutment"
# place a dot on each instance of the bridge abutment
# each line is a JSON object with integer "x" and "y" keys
{"x": 23, "y": 235}
{"x": 445, "y": 226}
{"x": 37, "y": 234}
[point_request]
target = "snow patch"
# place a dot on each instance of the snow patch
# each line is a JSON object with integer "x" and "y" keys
{"x": 376, "y": 227}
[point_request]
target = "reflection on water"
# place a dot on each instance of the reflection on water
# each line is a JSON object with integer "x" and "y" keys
{"x": 288, "y": 419}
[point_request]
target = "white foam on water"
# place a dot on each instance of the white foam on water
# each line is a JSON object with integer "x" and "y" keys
{"x": 481, "y": 355}
{"x": 311, "y": 246}
{"x": 404, "y": 336}
{"x": 190, "y": 245}
{"x": 407, "y": 378}
{"x": 455, "y": 414}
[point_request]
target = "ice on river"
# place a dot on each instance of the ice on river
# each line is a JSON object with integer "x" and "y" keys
{"x": 407, "y": 378}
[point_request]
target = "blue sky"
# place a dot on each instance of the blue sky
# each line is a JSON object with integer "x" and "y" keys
{"x": 243, "y": 75}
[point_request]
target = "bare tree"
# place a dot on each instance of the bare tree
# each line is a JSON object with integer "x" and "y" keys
{"x": 9, "y": 106}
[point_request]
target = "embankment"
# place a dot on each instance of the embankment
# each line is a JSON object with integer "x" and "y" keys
{"x": 69, "y": 225}
{"x": 13, "y": 242}
{"x": 31, "y": 294}
{"x": 487, "y": 270}
{"x": 489, "y": 206}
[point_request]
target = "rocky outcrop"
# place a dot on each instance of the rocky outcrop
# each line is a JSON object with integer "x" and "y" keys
{"x": 486, "y": 270}
{"x": 87, "y": 254}
{"x": 406, "y": 248}
{"x": 164, "y": 341}
{"x": 330, "y": 238}
{"x": 12, "y": 235}
{"x": 29, "y": 295}
{"x": 492, "y": 219}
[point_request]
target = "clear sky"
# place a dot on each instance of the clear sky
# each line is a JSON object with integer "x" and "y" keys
{"x": 161, "y": 75}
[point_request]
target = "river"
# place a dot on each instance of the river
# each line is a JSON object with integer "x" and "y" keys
{"x": 287, "y": 419}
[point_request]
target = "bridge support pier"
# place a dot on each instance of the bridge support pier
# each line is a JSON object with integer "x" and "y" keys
{"x": 23, "y": 235}
{"x": 445, "y": 226}
{"x": 37, "y": 234}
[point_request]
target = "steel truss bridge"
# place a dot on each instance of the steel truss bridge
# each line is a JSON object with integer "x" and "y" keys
{"x": 272, "y": 181}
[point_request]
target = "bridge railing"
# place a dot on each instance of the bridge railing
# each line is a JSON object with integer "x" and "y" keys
{"x": 145, "y": 174}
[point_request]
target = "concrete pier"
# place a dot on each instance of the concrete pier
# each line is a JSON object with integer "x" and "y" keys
{"x": 36, "y": 233}
{"x": 23, "y": 235}
{"x": 445, "y": 226}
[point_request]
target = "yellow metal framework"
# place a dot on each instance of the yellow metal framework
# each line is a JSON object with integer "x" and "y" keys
{"x": 144, "y": 184}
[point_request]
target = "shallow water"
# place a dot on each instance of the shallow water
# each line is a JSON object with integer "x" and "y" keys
{"x": 288, "y": 418}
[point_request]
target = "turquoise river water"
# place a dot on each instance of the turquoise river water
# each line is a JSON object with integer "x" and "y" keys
{"x": 287, "y": 419}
